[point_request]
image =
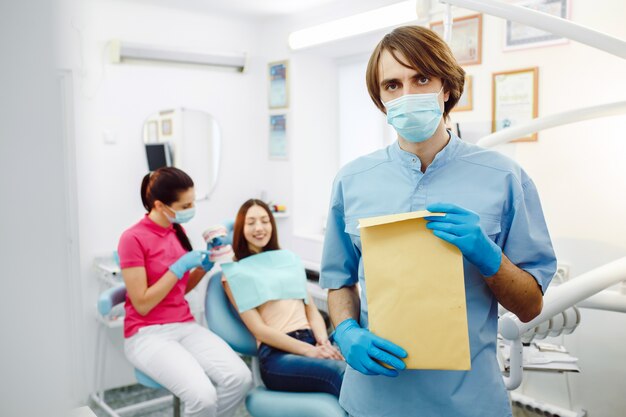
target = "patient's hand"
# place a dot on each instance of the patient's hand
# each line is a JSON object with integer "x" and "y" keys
{"x": 318, "y": 352}
{"x": 331, "y": 350}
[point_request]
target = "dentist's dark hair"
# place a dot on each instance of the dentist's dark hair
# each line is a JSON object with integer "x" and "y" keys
{"x": 165, "y": 185}
{"x": 240, "y": 244}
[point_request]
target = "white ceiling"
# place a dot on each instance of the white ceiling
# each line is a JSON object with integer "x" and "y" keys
{"x": 249, "y": 8}
{"x": 268, "y": 7}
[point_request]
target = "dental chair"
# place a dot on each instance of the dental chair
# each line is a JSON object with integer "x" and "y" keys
{"x": 107, "y": 300}
{"x": 223, "y": 320}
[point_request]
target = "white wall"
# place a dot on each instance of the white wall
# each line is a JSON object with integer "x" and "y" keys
{"x": 118, "y": 98}
{"x": 362, "y": 126}
{"x": 39, "y": 342}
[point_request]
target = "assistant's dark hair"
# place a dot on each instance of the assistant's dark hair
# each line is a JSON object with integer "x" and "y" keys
{"x": 165, "y": 185}
{"x": 240, "y": 244}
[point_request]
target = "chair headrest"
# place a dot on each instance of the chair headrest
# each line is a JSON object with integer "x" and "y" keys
{"x": 229, "y": 225}
{"x": 223, "y": 319}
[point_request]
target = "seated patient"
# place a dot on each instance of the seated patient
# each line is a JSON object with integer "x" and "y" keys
{"x": 294, "y": 351}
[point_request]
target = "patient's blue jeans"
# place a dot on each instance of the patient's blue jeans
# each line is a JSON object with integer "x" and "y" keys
{"x": 282, "y": 371}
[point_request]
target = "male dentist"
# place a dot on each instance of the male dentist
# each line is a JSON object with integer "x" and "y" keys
{"x": 492, "y": 214}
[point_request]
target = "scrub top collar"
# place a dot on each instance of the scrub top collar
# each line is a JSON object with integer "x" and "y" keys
{"x": 411, "y": 161}
{"x": 156, "y": 228}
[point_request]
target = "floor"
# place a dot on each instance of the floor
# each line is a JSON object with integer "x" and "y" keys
{"x": 133, "y": 394}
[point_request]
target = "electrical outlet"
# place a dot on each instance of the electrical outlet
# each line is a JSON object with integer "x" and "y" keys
{"x": 109, "y": 137}
{"x": 562, "y": 272}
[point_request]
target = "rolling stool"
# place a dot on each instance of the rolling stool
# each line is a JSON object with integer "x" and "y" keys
{"x": 107, "y": 300}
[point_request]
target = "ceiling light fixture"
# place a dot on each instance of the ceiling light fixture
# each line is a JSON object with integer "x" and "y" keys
{"x": 357, "y": 24}
{"x": 121, "y": 51}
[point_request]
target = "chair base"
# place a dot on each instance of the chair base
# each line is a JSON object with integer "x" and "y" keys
{"x": 98, "y": 399}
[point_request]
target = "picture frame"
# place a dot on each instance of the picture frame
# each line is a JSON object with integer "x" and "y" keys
{"x": 519, "y": 36}
{"x": 278, "y": 76}
{"x": 467, "y": 38}
{"x": 465, "y": 102}
{"x": 514, "y": 99}
{"x": 278, "y": 145}
{"x": 166, "y": 127}
{"x": 151, "y": 133}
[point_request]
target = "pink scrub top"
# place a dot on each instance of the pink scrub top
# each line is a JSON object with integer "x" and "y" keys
{"x": 155, "y": 248}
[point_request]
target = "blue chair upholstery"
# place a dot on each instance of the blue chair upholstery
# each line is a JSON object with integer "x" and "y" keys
{"x": 146, "y": 381}
{"x": 229, "y": 225}
{"x": 224, "y": 321}
{"x": 110, "y": 298}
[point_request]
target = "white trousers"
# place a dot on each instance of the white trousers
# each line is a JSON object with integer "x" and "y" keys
{"x": 192, "y": 363}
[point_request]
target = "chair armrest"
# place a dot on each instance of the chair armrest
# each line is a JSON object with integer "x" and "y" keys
{"x": 110, "y": 298}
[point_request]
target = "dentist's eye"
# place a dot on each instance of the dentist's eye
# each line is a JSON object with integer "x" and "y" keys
{"x": 423, "y": 80}
{"x": 392, "y": 86}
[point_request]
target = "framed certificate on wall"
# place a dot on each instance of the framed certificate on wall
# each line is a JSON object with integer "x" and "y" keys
{"x": 514, "y": 99}
{"x": 519, "y": 36}
{"x": 467, "y": 38}
{"x": 278, "y": 137}
{"x": 278, "y": 85}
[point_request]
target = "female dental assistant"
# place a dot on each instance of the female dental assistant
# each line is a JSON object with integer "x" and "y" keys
{"x": 161, "y": 337}
{"x": 492, "y": 213}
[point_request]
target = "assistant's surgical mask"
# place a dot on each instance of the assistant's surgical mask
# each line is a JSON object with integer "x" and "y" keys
{"x": 181, "y": 216}
{"x": 415, "y": 116}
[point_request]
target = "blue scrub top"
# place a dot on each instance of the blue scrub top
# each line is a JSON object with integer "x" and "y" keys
{"x": 390, "y": 181}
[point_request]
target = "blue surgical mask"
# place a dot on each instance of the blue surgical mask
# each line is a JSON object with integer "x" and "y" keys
{"x": 182, "y": 216}
{"x": 415, "y": 116}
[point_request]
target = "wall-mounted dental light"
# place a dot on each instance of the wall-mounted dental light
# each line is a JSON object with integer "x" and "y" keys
{"x": 120, "y": 51}
{"x": 357, "y": 24}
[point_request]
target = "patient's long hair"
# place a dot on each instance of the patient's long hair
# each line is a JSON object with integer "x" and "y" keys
{"x": 240, "y": 244}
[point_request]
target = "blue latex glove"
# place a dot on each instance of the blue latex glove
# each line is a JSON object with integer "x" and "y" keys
{"x": 362, "y": 349}
{"x": 190, "y": 260}
{"x": 461, "y": 228}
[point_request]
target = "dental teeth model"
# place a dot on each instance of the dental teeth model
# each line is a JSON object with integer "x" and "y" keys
{"x": 220, "y": 250}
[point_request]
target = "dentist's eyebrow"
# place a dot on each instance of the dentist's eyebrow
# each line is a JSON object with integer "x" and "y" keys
{"x": 389, "y": 80}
